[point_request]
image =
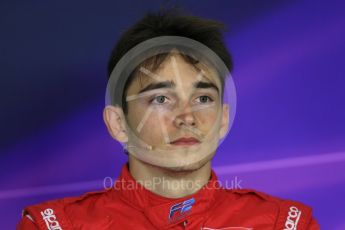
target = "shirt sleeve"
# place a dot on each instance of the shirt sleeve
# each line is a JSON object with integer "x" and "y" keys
{"x": 313, "y": 225}
{"x": 26, "y": 224}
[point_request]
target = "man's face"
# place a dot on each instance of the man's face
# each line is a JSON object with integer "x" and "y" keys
{"x": 176, "y": 112}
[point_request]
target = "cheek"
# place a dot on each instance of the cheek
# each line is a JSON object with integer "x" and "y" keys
{"x": 207, "y": 118}
{"x": 151, "y": 127}
{"x": 136, "y": 113}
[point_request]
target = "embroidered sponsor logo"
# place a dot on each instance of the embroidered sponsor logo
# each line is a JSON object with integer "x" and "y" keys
{"x": 177, "y": 211}
{"x": 292, "y": 219}
{"x": 50, "y": 219}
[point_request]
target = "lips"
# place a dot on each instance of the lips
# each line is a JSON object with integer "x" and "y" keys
{"x": 186, "y": 141}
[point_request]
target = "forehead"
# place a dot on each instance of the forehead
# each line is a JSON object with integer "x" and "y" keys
{"x": 175, "y": 68}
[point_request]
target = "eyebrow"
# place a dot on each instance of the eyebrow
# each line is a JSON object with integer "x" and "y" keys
{"x": 205, "y": 85}
{"x": 158, "y": 85}
{"x": 171, "y": 84}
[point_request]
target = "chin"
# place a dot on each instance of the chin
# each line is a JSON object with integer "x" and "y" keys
{"x": 191, "y": 167}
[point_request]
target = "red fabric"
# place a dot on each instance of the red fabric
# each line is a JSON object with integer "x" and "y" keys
{"x": 26, "y": 224}
{"x": 130, "y": 206}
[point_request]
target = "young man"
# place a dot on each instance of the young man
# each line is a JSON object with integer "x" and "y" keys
{"x": 166, "y": 106}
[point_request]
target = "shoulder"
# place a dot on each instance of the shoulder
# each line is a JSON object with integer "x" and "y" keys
{"x": 60, "y": 213}
{"x": 286, "y": 213}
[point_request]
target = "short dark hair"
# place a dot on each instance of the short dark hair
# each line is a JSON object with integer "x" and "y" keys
{"x": 171, "y": 22}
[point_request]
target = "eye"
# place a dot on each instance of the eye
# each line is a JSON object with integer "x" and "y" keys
{"x": 204, "y": 99}
{"x": 159, "y": 99}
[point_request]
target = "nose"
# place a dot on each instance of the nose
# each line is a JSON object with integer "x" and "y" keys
{"x": 185, "y": 117}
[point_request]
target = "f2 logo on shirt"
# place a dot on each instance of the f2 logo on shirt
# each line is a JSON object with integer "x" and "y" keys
{"x": 179, "y": 210}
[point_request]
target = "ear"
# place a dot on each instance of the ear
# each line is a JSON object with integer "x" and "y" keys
{"x": 115, "y": 121}
{"x": 225, "y": 121}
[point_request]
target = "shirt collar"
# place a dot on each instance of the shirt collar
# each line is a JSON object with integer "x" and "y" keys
{"x": 161, "y": 211}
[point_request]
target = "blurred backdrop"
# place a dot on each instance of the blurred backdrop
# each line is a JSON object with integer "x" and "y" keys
{"x": 288, "y": 138}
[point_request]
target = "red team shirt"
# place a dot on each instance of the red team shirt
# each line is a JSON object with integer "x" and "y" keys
{"x": 128, "y": 205}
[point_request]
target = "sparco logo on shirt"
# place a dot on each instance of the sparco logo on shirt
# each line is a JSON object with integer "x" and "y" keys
{"x": 50, "y": 219}
{"x": 292, "y": 219}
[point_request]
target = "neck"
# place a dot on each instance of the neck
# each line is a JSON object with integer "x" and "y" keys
{"x": 170, "y": 183}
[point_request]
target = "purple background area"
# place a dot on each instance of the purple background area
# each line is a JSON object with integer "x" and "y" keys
{"x": 288, "y": 136}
